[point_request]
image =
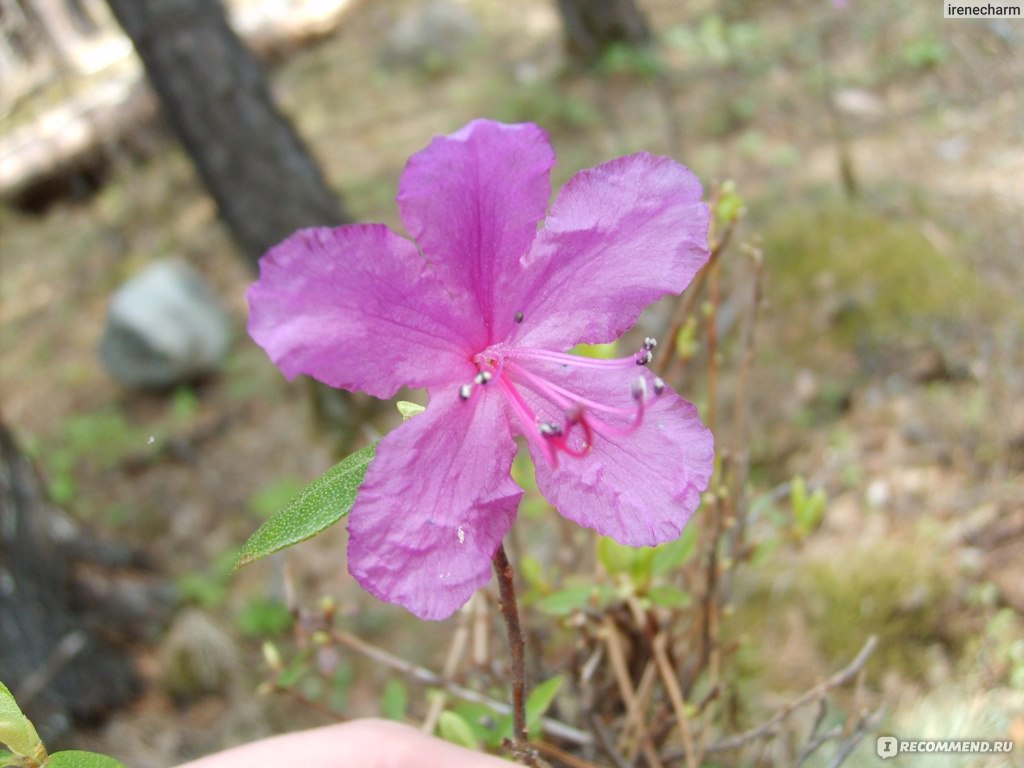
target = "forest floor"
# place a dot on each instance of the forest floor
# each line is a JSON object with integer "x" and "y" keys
{"x": 889, "y": 367}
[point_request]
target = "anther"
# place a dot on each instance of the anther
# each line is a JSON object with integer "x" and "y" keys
{"x": 644, "y": 356}
{"x": 519, "y": 317}
{"x": 550, "y": 429}
{"x": 659, "y": 385}
{"x": 483, "y": 377}
{"x": 465, "y": 391}
{"x": 639, "y": 389}
{"x": 650, "y": 343}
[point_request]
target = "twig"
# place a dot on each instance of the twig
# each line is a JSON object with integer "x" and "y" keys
{"x": 685, "y": 306}
{"x": 767, "y": 728}
{"x": 736, "y": 534}
{"x": 815, "y": 744}
{"x": 427, "y": 677}
{"x": 455, "y": 653}
{"x": 814, "y": 741}
{"x": 864, "y": 724}
{"x": 714, "y": 299}
{"x": 617, "y": 657}
{"x": 67, "y": 648}
{"x": 605, "y": 742}
{"x": 566, "y": 757}
{"x": 634, "y": 720}
{"x": 675, "y": 695}
{"x": 510, "y": 613}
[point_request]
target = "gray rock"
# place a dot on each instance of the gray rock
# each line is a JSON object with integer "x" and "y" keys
{"x": 164, "y": 327}
{"x": 432, "y": 36}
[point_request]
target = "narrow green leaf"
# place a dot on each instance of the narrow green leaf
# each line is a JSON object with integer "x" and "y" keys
{"x": 674, "y": 554}
{"x": 394, "y": 701}
{"x": 16, "y": 730}
{"x": 539, "y": 700}
{"x": 532, "y": 572}
{"x": 615, "y": 557}
{"x": 455, "y": 729}
{"x": 74, "y": 758}
{"x": 320, "y": 505}
{"x": 488, "y": 726}
{"x": 668, "y": 596}
{"x": 566, "y": 601}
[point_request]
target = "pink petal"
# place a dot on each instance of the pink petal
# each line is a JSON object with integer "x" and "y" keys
{"x": 357, "y": 307}
{"x": 639, "y": 488}
{"x": 619, "y": 236}
{"x": 472, "y": 202}
{"x": 436, "y": 502}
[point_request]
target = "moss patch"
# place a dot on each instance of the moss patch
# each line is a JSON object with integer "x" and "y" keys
{"x": 898, "y": 593}
{"x": 863, "y": 277}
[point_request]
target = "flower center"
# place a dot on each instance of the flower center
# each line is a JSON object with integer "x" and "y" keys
{"x": 555, "y": 418}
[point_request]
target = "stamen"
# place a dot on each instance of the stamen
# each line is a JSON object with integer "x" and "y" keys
{"x": 510, "y": 368}
{"x": 639, "y": 389}
{"x": 575, "y": 405}
{"x": 574, "y": 361}
{"x": 560, "y": 396}
{"x": 465, "y": 391}
{"x": 528, "y": 419}
{"x": 519, "y": 317}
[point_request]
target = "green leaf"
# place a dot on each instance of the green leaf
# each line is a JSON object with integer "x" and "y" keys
{"x": 615, "y": 557}
{"x": 675, "y": 554}
{"x": 320, "y": 505}
{"x": 687, "y": 344}
{"x": 808, "y": 509}
{"x": 566, "y": 601}
{"x": 532, "y": 572}
{"x": 408, "y": 410}
{"x": 539, "y": 700}
{"x": 74, "y": 758}
{"x": 7, "y": 758}
{"x": 618, "y": 558}
{"x": 668, "y": 596}
{"x": 489, "y": 727}
{"x": 16, "y": 730}
{"x": 263, "y": 616}
{"x": 730, "y": 204}
{"x": 455, "y": 729}
{"x": 394, "y": 701}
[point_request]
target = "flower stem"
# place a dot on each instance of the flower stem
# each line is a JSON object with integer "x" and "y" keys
{"x": 510, "y": 613}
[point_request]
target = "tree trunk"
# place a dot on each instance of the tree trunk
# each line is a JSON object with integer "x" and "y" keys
{"x": 593, "y": 26}
{"x": 55, "y": 655}
{"x": 216, "y": 98}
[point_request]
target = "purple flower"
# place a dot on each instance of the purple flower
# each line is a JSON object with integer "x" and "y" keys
{"x": 479, "y": 308}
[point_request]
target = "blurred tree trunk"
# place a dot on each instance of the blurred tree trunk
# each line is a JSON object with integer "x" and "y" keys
{"x": 592, "y": 26}
{"x": 55, "y": 654}
{"x": 215, "y": 96}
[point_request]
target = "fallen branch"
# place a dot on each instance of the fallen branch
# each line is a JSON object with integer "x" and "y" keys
{"x": 767, "y": 728}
